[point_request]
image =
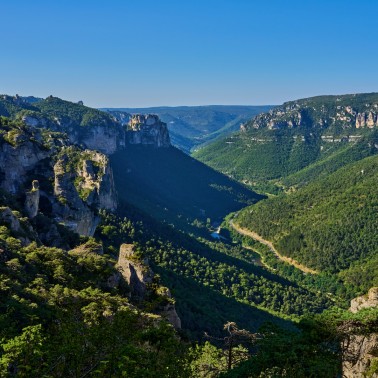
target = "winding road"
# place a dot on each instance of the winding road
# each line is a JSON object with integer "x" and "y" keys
{"x": 269, "y": 244}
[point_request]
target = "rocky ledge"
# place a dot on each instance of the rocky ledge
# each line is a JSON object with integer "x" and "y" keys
{"x": 143, "y": 283}
{"x": 149, "y": 130}
{"x": 365, "y": 301}
{"x": 360, "y": 349}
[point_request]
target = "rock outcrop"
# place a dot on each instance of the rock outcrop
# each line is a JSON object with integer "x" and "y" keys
{"x": 167, "y": 308}
{"x": 82, "y": 187}
{"x": 32, "y": 200}
{"x": 148, "y": 130}
{"x": 137, "y": 273}
{"x": 7, "y": 217}
{"x": 360, "y": 349}
{"x": 139, "y": 276}
{"x": 19, "y": 154}
{"x": 17, "y": 225}
{"x": 365, "y": 301}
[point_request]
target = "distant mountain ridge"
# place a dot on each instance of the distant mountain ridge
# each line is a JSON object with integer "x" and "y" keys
{"x": 335, "y": 113}
{"x": 192, "y": 126}
{"x": 296, "y": 135}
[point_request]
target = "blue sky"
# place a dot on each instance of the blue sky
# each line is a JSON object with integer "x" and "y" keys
{"x": 136, "y": 53}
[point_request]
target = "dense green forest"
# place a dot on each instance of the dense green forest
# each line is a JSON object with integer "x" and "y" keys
{"x": 60, "y": 317}
{"x": 243, "y": 311}
{"x": 328, "y": 225}
{"x": 296, "y": 142}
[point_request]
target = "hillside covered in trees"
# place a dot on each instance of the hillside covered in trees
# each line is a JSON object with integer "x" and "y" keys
{"x": 68, "y": 310}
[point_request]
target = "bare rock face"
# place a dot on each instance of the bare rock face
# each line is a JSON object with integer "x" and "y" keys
{"x": 167, "y": 309}
{"x": 32, "y": 200}
{"x": 104, "y": 139}
{"x": 365, "y": 301}
{"x": 17, "y": 159}
{"x": 7, "y": 216}
{"x": 23, "y": 229}
{"x": 366, "y": 119}
{"x": 136, "y": 273}
{"x": 148, "y": 130}
{"x": 70, "y": 209}
{"x": 97, "y": 178}
{"x": 360, "y": 349}
{"x": 81, "y": 188}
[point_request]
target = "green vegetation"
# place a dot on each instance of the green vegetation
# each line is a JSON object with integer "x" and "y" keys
{"x": 327, "y": 225}
{"x": 59, "y": 318}
{"x": 315, "y": 351}
{"x": 53, "y": 109}
{"x": 62, "y": 315}
{"x": 296, "y": 142}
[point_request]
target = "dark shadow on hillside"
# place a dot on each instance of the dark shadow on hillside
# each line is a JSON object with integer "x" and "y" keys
{"x": 202, "y": 309}
{"x": 180, "y": 239}
{"x": 169, "y": 185}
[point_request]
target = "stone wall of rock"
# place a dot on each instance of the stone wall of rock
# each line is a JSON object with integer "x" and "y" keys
{"x": 136, "y": 129}
{"x": 139, "y": 276}
{"x": 78, "y": 191}
{"x": 32, "y": 200}
{"x": 148, "y": 130}
{"x": 360, "y": 349}
{"x": 17, "y": 159}
{"x": 365, "y": 301}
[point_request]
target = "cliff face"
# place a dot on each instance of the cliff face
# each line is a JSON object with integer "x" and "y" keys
{"x": 20, "y": 152}
{"x": 148, "y": 130}
{"x": 361, "y": 349}
{"x": 83, "y": 180}
{"x": 323, "y": 112}
{"x": 140, "y": 278}
{"x": 102, "y": 131}
{"x": 139, "y": 129}
{"x": 32, "y": 200}
{"x": 49, "y": 143}
{"x": 137, "y": 274}
{"x": 365, "y": 301}
{"x": 80, "y": 187}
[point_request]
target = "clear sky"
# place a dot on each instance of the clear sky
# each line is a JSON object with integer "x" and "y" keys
{"x": 135, "y": 53}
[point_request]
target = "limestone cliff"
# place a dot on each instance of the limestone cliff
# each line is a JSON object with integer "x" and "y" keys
{"x": 20, "y": 152}
{"x": 32, "y": 200}
{"x": 83, "y": 182}
{"x": 82, "y": 179}
{"x": 106, "y": 132}
{"x": 136, "y": 272}
{"x": 365, "y": 301}
{"x": 360, "y": 349}
{"x": 148, "y": 130}
{"x": 140, "y": 279}
{"x": 20, "y": 227}
{"x": 348, "y": 112}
